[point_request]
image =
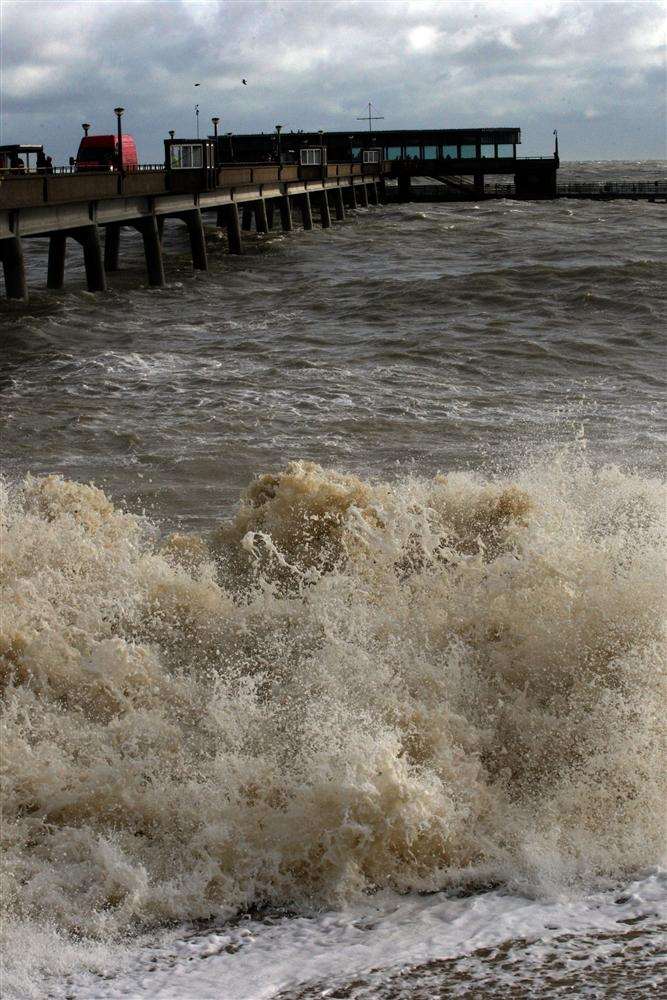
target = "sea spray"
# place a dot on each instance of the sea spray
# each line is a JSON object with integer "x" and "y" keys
{"x": 353, "y": 685}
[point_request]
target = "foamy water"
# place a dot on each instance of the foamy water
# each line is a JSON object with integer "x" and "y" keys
{"x": 354, "y": 726}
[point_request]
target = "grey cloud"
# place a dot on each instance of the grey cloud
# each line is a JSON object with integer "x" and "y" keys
{"x": 538, "y": 65}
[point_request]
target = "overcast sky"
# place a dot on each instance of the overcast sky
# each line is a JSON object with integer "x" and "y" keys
{"x": 593, "y": 70}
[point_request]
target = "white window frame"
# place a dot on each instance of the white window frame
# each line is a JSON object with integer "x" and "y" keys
{"x": 311, "y": 156}
{"x": 190, "y": 156}
{"x": 372, "y": 155}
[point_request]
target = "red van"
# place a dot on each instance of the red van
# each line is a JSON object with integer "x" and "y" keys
{"x": 100, "y": 152}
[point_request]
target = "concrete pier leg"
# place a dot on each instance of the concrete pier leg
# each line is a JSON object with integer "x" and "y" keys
{"x": 195, "y": 226}
{"x": 270, "y": 211}
{"x": 339, "y": 207}
{"x": 246, "y": 219}
{"x": 228, "y": 216}
{"x": 404, "y": 188}
{"x": 55, "y": 275}
{"x": 306, "y": 210}
{"x": 261, "y": 223}
{"x": 13, "y": 266}
{"x": 363, "y": 194}
{"x": 286, "y": 214}
{"x": 159, "y": 220}
{"x": 111, "y": 247}
{"x": 89, "y": 239}
{"x": 148, "y": 228}
{"x": 325, "y": 213}
{"x": 352, "y": 196}
{"x": 479, "y": 184}
{"x": 372, "y": 192}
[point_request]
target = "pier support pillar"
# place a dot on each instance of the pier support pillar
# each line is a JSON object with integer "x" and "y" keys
{"x": 372, "y": 192}
{"x": 351, "y": 196}
{"x": 286, "y": 214}
{"x": 13, "y": 266}
{"x": 55, "y": 275}
{"x": 363, "y": 192}
{"x": 148, "y": 228}
{"x": 111, "y": 248}
{"x": 325, "y": 214}
{"x": 193, "y": 221}
{"x": 306, "y": 210}
{"x": 270, "y": 211}
{"x": 228, "y": 215}
{"x": 339, "y": 207}
{"x": 261, "y": 223}
{"x": 159, "y": 219}
{"x": 88, "y": 238}
{"x": 404, "y": 187}
{"x": 479, "y": 184}
{"x": 246, "y": 218}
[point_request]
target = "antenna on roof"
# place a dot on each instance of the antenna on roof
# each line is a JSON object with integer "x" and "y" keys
{"x": 370, "y": 117}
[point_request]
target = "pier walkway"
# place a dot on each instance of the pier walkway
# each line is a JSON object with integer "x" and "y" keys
{"x": 77, "y": 206}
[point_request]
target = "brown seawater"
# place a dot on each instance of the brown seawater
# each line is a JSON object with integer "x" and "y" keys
{"x": 422, "y": 653}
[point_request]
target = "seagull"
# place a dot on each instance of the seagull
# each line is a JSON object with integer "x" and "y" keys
{"x": 244, "y": 82}
{"x": 197, "y": 84}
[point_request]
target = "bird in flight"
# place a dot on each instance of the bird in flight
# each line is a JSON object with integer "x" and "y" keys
{"x": 197, "y": 84}
{"x": 244, "y": 82}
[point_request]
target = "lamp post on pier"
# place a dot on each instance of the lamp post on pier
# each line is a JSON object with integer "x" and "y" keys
{"x": 279, "y": 129}
{"x": 119, "y": 114}
{"x": 85, "y": 126}
{"x": 231, "y": 146}
{"x": 216, "y": 122}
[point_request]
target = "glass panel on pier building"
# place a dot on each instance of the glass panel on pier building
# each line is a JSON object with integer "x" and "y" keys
{"x": 468, "y": 152}
{"x": 505, "y": 150}
{"x": 488, "y": 151}
{"x": 450, "y": 152}
{"x": 430, "y": 152}
{"x": 394, "y": 153}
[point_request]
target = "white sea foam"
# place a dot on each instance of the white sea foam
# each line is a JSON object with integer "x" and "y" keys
{"x": 353, "y": 687}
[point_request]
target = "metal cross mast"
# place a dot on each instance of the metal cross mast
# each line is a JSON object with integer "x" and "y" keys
{"x": 370, "y": 117}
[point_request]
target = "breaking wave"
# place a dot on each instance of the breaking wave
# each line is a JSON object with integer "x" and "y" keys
{"x": 351, "y": 685}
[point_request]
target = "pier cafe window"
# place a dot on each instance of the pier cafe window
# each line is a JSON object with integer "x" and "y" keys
{"x": 394, "y": 152}
{"x": 488, "y": 150}
{"x": 372, "y": 156}
{"x": 186, "y": 156}
{"x": 311, "y": 157}
{"x": 468, "y": 152}
{"x": 450, "y": 152}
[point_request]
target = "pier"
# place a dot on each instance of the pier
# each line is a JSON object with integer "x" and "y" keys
{"x": 252, "y": 181}
{"x": 93, "y": 208}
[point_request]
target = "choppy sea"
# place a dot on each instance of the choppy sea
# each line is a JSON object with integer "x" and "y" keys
{"x": 332, "y": 632}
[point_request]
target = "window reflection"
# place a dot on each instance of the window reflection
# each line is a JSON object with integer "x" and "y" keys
{"x": 430, "y": 152}
{"x": 450, "y": 152}
{"x": 468, "y": 152}
{"x": 488, "y": 150}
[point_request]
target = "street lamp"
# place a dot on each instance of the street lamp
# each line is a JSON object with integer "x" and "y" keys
{"x": 216, "y": 122}
{"x": 231, "y": 147}
{"x": 119, "y": 114}
{"x": 171, "y": 133}
{"x": 197, "y": 118}
{"x": 279, "y": 129}
{"x": 85, "y": 127}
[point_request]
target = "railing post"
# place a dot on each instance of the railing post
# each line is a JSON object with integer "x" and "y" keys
{"x": 55, "y": 275}
{"x": 13, "y": 266}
